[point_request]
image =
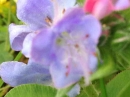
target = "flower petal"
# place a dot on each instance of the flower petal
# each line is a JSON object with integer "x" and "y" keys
{"x": 102, "y": 8}
{"x": 77, "y": 22}
{"x": 63, "y": 75}
{"x": 92, "y": 62}
{"x": 60, "y": 7}
{"x": 17, "y": 73}
{"x": 17, "y": 34}
{"x": 99, "y": 8}
{"x": 42, "y": 46}
{"x": 66, "y": 3}
{"x": 35, "y": 13}
{"x": 27, "y": 44}
{"x": 122, "y": 4}
{"x": 74, "y": 91}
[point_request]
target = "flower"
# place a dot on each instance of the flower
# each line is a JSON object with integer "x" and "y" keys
{"x": 101, "y": 8}
{"x": 16, "y": 73}
{"x": 68, "y": 48}
{"x": 36, "y": 15}
{"x": 63, "y": 48}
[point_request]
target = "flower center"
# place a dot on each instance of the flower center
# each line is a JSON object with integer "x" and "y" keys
{"x": 74, "y": 48}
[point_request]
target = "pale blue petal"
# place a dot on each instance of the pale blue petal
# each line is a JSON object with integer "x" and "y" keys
{"x": 35, "y": 12}
{"x": 74, "y": 91}
{"x": 17, "y": 34}
{"x": 42, "y": 46}
{"x": 17, "y": 73}
{"x": 93, "y": 62}
{"x": 27, "y": 44}
{"x": 66, "y": 3}
{"x": 62, "y": 77}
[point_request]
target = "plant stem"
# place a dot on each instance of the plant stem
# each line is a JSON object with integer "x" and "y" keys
{"x": 17, "y": 58}
{"x": 7, "y": 47}
{"x": 4, "y": 90}
{"x": 103, "y": 88}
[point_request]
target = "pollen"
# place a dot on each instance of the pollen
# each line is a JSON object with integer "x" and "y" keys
{"x": 87, "y": 36}
{"x": 48, "y": 20}
{"x": 67, "y": 72}
{"x": 76, "y": 45}
{"x": 63, "y": 11}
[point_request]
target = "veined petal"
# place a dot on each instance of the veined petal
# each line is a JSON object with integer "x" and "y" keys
{"x": 64, "y": 75}
{"x": 17, "y": 34}
{"x": 35, "y": 13}
{"x": 17, "y": 73}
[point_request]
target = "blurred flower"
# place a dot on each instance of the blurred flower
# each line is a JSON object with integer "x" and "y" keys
{"x": 5, "y": 6}
{"x": 101, "y": 8}
{"x": 2, "y": 1}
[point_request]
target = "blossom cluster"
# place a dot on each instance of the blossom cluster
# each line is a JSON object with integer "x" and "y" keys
{"x": 59, "y": 38}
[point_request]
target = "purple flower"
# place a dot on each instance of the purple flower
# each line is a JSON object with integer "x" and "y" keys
{"x": 36, "y": 15}
{"x": 16, "y": 73}
{"x": 69, "y": 47}
{"x": 66, "y": 51}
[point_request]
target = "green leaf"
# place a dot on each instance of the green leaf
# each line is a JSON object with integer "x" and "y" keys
{"x": 64, "y": 91}
{"x": 107, "y": 67}
{"x": 5, "y": 56}
{"x": 119, "y": 86}
{"x": 81, "y": 2}
{"x": 125, "y": 14}
{"x": 3, "y": 33}
{"x": 32, "y": 90}
{"x": 121, "y": 45}
{"x": 89, "y": 91}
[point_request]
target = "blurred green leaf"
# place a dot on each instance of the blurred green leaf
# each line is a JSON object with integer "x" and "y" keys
{"x": 32, "y": 90}
{"x": 107, "y": 66}
{"x": 125, "y": 14}
{"x": 5, "y": 56}
{"x": 119, "y": 86}
{"x": 64, "y": 91}
{"x": 89, "y": 91}
{"x": 3, "y": 33}
{"x": 120, "y": 44}
{"x": 1, "y": 82}
{"x": 81, "y": 2}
